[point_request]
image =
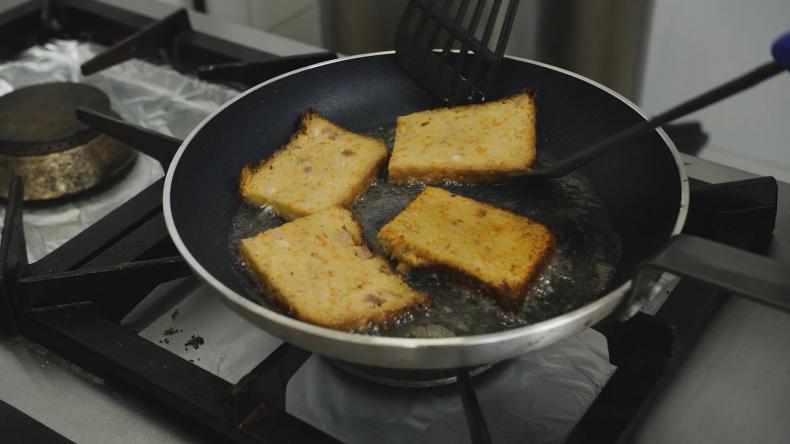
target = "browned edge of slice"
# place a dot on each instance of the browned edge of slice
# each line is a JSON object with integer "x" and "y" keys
{"x": 405, "y": 176}
{"x": 247, "y": 172}
{"x": 508, "y": 298}
{"x": 408, "y": 177}
{"x": 511, "y": 299}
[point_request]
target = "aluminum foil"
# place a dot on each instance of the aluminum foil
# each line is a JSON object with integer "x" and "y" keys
{"x": 155, "y": 97}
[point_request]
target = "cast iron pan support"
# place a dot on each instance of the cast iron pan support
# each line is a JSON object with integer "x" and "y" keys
{"x": 474, "y": 414}
{"x": 159, "y": 146}
{"x": 13, "y": 258}
{"x": 739, "y": 272}
{"x": 149, "y": 41}
{"x": 251, "y": 73}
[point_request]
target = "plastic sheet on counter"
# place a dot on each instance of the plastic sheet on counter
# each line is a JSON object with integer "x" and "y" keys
{"x": 155, "y": 97}
{"x": 535, "y": 398}
{"x": 191, "y": 321}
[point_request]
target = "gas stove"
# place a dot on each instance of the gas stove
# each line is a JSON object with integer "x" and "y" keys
{"x": 107, "y": 337}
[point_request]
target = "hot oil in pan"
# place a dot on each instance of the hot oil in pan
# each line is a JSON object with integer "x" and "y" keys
{"x": 588, "y": 250}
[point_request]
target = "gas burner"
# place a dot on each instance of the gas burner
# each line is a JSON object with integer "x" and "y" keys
{"x": 56, "y": 155}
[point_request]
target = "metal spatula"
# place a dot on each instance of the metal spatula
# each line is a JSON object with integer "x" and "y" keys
{"x": 454, "y": 47}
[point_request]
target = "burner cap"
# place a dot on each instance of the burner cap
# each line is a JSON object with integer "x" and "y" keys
{"x": 40, "y": 119}
{"x": 398, "y": 377}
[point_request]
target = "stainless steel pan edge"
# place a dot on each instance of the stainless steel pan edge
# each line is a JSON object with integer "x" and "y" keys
{"x": 414, "y": 353}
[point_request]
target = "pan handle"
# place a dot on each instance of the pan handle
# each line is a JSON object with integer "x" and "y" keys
{"x": 739, "y": 272}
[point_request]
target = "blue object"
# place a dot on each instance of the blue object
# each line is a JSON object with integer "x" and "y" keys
{"x": 781, "y": 50}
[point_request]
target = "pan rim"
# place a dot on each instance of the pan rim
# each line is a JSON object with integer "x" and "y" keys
{"x": 580, "y": 318}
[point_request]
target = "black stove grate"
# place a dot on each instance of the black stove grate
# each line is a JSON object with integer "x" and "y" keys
{"x": 174, "y": 41}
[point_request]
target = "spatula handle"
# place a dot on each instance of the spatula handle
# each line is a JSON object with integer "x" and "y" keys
{"x": 780, "y": 50}
{"x": 781, "y": 53}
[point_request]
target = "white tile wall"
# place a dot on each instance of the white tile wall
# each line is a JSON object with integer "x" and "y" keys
{"x": 186, "y": 3}
{"x": 237, "y": 11}
{"x": 295, "y": 19}
{"x": 304, "y": 26}
{"x": 267, "y": 14}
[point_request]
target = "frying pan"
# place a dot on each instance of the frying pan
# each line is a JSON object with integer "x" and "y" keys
{"x": 645, "y": 191}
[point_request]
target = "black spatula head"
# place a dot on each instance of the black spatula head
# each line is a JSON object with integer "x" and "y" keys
{"x": 454, "y": 47}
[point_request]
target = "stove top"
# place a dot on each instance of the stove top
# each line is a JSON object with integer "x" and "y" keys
{"x": 120, "y": 343}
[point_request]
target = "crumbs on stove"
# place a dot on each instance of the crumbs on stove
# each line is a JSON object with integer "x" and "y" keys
{"x": 172, "y": 330}
{"x": 195, "y": 342}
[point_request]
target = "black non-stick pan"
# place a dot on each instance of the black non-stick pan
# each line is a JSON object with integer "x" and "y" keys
{"x": 609, "y": 218}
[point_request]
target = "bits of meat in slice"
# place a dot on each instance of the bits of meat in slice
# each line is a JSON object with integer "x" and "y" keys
{"x": 323, "y": 165}
{"x": 320, "y": 268}
{"x": 471, "y": 143}
{"x": 501, "y": 250}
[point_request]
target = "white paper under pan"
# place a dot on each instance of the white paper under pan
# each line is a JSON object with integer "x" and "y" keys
{"x": 536, "y": 398}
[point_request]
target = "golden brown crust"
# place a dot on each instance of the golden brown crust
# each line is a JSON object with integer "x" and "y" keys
{"x": 322, "y": 165}
{"x": 405, "y": 176}
{"x": 244, "y": 180}
{"x": 247, "y": 172}
{"x": 485, "y": 142}
{"x": 363, "y": 185}
{"x": 320, "y": 270}
{"x": 513, "y": 298}
{"x": 379, "y": 319}
{"x": 264, "y": 283}
{"x": 500, "y": 250}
